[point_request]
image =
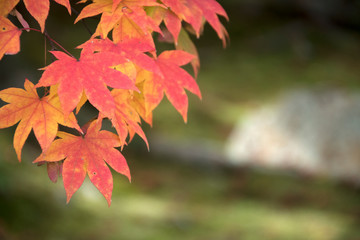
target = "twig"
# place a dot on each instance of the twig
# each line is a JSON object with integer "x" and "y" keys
{"x": 50, "y": 39}
{"x": 82, "y": 21}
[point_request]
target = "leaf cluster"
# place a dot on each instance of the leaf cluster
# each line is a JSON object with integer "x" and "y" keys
{"x": 119, "y": 72}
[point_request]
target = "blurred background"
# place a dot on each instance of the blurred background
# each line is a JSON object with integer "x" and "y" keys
{"x": 271, "y": 152}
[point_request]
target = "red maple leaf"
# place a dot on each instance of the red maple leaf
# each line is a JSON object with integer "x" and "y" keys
{"x": 210, "y": 9}
{"x": 87, "y": 155}
{"x": 172, "y": 83}
{"x": 54, "y": 170}
{"x": 132, "y": 50}
{"x": 171, "y": 20}
{"x": 193, "y": 12}
{"x": 91, "y": 74}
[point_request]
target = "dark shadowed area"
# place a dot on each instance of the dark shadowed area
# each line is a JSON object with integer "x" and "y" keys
{"x": 271, "y": 152}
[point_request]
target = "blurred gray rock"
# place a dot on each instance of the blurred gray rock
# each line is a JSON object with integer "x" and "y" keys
{"x": 311, "y": 131}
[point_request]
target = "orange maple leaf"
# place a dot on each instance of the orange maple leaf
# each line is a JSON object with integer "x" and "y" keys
{"x": 39, "y": 9}
{"x": 6, "y": 6}
{"x": 87, "y": 155}
{"x": 40, "y": 114}
{"x": 9, "y": 37}
{"x": 91, "y": 74}
{"x": 126, "y": 30}
{"x": 134, "y": 13}
{"x": 113, "y": 13}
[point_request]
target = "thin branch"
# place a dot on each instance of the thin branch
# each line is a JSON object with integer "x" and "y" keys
{"x": 50, "y": 39}
{"x": 83, "y": 21}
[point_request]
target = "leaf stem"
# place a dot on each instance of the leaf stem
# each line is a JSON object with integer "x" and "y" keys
{"x": 49, "y": 38}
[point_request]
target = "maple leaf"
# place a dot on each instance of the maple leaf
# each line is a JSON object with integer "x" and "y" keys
{"x": 128, "y": 68}
{"x": 9, "y": 37}
{"x": 193, "y": 12}
{"x": 6, "y": 6}
{"x": 40, "y": 114}
{"x": 187, "y": 45}
{"x": 126, "y": 30}
{"x": 171, "y": 20}
{"x": 86, "y": 155}
{"x": 91, "y": 74}
{"x": 173, "y": 82}
{"x": 126, "y": 120}
{"x": 39, "y": 9}
{"x": 137, "y": 99}
{"x": 136, "y": 102}
{"x": 210, "y": 10}
{"x": 132, "y": 50}
{"x": 113, "y": 13}
{"x": 54, "y": 169}
{"x": 95, "y": 8}
{"x": 135, "y": 14}
{"x": 185, "y": 10}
